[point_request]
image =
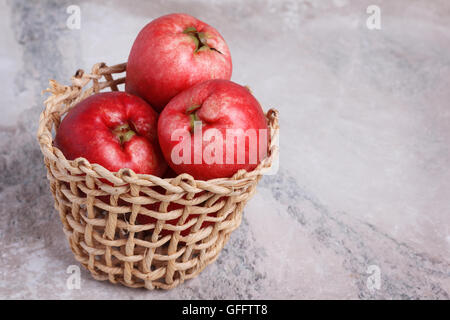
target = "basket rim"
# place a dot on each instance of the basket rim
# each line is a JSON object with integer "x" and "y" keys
{"x": 73, "y": 94}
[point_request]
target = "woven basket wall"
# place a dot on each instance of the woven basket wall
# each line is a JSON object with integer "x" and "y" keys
{"x": 98, "y": 208}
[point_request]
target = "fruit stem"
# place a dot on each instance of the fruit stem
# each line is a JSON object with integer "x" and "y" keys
{"x": 200, "y": 40}
{"x": 189, "y": 30}
{"x": 193, "y": 118}
{"x": 192, "y": 108}
{"x": 127, "y": 136}
{"x": 123, "y": 133}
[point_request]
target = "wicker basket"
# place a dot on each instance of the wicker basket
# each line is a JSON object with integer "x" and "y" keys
{"x": 104, "y": 236}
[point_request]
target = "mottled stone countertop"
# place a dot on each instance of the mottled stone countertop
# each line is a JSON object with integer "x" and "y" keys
{"x": 360, "y": 207}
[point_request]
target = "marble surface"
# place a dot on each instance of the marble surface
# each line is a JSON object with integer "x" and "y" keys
{"x": 360, "y": 206}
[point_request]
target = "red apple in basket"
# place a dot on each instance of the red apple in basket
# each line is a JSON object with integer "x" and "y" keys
{"x": 114, "y": 129}
{"x": 173, "y": 53}
{"x": 212, "y": 130}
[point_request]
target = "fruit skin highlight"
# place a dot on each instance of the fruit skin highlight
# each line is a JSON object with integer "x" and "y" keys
{"x": 173, "y": 53}
{"x": 219, "y": 105}
{"x": 114, "y": 129}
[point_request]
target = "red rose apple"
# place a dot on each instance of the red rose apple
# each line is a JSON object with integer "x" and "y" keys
{"x": 114, "y": 129}
{"x": 212, "y": 130}
{"x": 173, "y": 53}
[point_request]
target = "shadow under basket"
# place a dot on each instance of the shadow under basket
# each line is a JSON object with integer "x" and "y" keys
{"x": 98, "y": 208}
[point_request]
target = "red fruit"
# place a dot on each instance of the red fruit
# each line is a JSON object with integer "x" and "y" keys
{"x": 114, "y": 129}
{"x": 173, "y": 53}
{"x": 221, "y": 107}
